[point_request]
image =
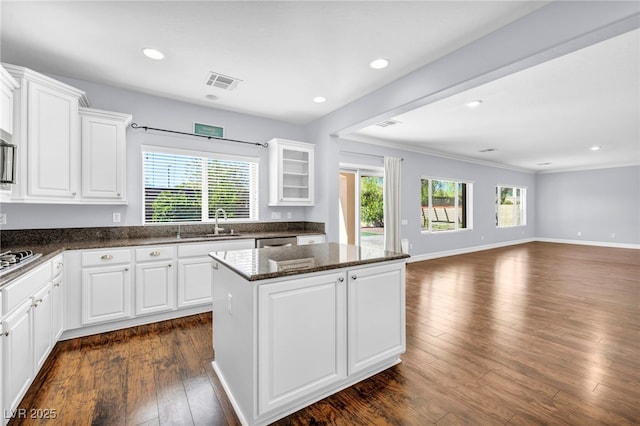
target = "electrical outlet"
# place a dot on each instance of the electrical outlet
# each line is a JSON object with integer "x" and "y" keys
{"x": 116, "y": 217}
{"x": 276, "y": 215}
{"x": 3, "y": 218}
{"x": 613, "y": 235}
{"x": 579, "y": 234}
{"x": 289, "y": 215}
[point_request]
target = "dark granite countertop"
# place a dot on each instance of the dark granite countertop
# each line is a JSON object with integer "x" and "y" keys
{"x": 265, "y": 263}
{"x": 53, "y": 242}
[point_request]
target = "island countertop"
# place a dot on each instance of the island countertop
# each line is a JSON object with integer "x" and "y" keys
{"x": 276, "y": 262}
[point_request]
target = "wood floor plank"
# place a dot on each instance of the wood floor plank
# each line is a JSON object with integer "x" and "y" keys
{"x": 537, "y": 333}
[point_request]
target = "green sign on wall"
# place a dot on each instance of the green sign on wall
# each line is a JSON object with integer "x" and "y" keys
{"x": 208, "y": 130}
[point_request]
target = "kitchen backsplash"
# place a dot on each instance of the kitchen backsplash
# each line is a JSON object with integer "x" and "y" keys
{"x": 29, "y": 237}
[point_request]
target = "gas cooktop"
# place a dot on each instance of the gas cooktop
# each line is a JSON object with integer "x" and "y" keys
{"x": 12, "y": 260}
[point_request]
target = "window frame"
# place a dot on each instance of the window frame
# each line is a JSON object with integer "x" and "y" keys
{"x": 254, "y": 206}
{"x": 468, "y": 201}
{"x": 523, "y": 205}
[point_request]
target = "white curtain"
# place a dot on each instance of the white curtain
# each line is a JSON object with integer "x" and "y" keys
{"x": 392, "y": 204}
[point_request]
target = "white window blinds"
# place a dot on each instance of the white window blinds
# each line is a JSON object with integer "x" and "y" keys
{"x": 182, "y": 186}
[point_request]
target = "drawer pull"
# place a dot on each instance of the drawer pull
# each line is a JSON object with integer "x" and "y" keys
{"x": 56, "y": 285}
{"x": 60, "y": 265}
{"x": 6, "y": 333}
{"x": 154, "y": 253}
{"x": 354, "y": 277}
{"x": 106, "y": 257}
{"x": 36, "y": 303}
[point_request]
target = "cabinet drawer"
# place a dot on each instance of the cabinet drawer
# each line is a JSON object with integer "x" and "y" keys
{"x": 105, "y": 257}
{"x": 154, "y": 253}
{"x": 57, "y": 265}
{"x": 191, "y": 250}
{"x": 310, "y": 239}
{"x": 22, "y": 288}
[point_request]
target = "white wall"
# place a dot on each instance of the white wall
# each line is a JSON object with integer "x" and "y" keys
{"x": 484, "y": 179}
{"x": 161, "y": 113}
{"x": 596, "y": 203}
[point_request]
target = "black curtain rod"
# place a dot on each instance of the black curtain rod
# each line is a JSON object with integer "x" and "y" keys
{"x": 135, "y": 126}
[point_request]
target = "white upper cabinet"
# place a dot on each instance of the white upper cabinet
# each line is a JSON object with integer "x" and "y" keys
{"x": 47, "y": 133}
{"x": 67, "y": 153}
{"x": 103, "y": 154}
{"x": 291, "y": 173}
{"x": 7, "y": 85}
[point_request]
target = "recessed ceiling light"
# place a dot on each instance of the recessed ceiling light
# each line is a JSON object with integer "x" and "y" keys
{"x": 153, "y": 53}
{"x": 595, "y": 148}
{"x": 378, "y": 64}
{"x": 319, "y": 99}
{"x": 474, "y": 104}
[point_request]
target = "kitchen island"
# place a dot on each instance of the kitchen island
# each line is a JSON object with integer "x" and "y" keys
{"x": 293, "y": 325}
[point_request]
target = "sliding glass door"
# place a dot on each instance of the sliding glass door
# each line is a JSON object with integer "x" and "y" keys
{"x": 361, "y": 207}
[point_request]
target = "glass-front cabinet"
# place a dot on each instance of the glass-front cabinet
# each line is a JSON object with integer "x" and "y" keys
{"x": 291, "y": 173}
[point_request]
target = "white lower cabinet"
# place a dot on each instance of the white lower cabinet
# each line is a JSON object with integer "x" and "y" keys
{"x": 57, "y": 298}
{"x": 106, "y": 294}
{"x": 301, "y": 338}
{"x": 284, "y": 343}
{"x": 26, "y": 333}
{"x": 194, "y": 281}
{"x": 195, "y": 274}
{"x": 43, "y": 342}
{"x": 109, "y": 289}
{"x": 17, "y": 362}
{"x": 376, "y": 315}
{"x": 154, "y": 287}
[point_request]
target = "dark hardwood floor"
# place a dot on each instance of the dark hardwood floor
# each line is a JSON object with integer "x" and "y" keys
{"x": 538, "y": 333}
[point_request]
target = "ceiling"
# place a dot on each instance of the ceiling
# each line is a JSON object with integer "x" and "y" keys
{"x": 544, "y": 118}
{"x": 287, "y": 53}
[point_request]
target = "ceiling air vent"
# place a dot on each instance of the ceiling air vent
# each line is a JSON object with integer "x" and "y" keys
{"x": 387, "y": 123}
{"x": 221, "y": 81}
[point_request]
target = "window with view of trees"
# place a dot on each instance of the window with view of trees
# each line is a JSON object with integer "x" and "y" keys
{"x": 510, "y": 206}
{"x": 445, "y": 205}
{"x": 182, "y": 186}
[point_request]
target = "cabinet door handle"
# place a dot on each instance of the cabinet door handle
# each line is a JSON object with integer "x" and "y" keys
{"x": 56, "y": 285}
{"x": 354, "y": 277}
{"x": 6, "y": 333}
{"x": 74, "y": 193}
{"x": 154, "y": 253}
{"x": 126, "y": 269}
{"x": 214, "y": 265}
{"x": 106, "y": 257}
{"x": 60, "y": 265}
{"x": 36, "y": 303}
{"x": 169, "y": 266}
{"x": 341, "y": 279}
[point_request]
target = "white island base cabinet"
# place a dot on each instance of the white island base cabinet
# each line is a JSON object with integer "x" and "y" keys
{"x": 282, "y": 344}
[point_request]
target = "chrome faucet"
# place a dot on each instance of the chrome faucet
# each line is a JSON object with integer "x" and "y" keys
{"x": 216, "y": 230}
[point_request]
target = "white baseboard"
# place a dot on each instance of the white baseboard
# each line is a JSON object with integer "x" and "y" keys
{"x": 465, "y": 250}
{"x": 590, "y": 243}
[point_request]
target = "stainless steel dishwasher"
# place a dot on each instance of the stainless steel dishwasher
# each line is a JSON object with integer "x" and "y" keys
{"x": 276, "y": 242}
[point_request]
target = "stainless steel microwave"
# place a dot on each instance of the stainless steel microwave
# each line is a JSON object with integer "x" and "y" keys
{"x": 8, "y": 153}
